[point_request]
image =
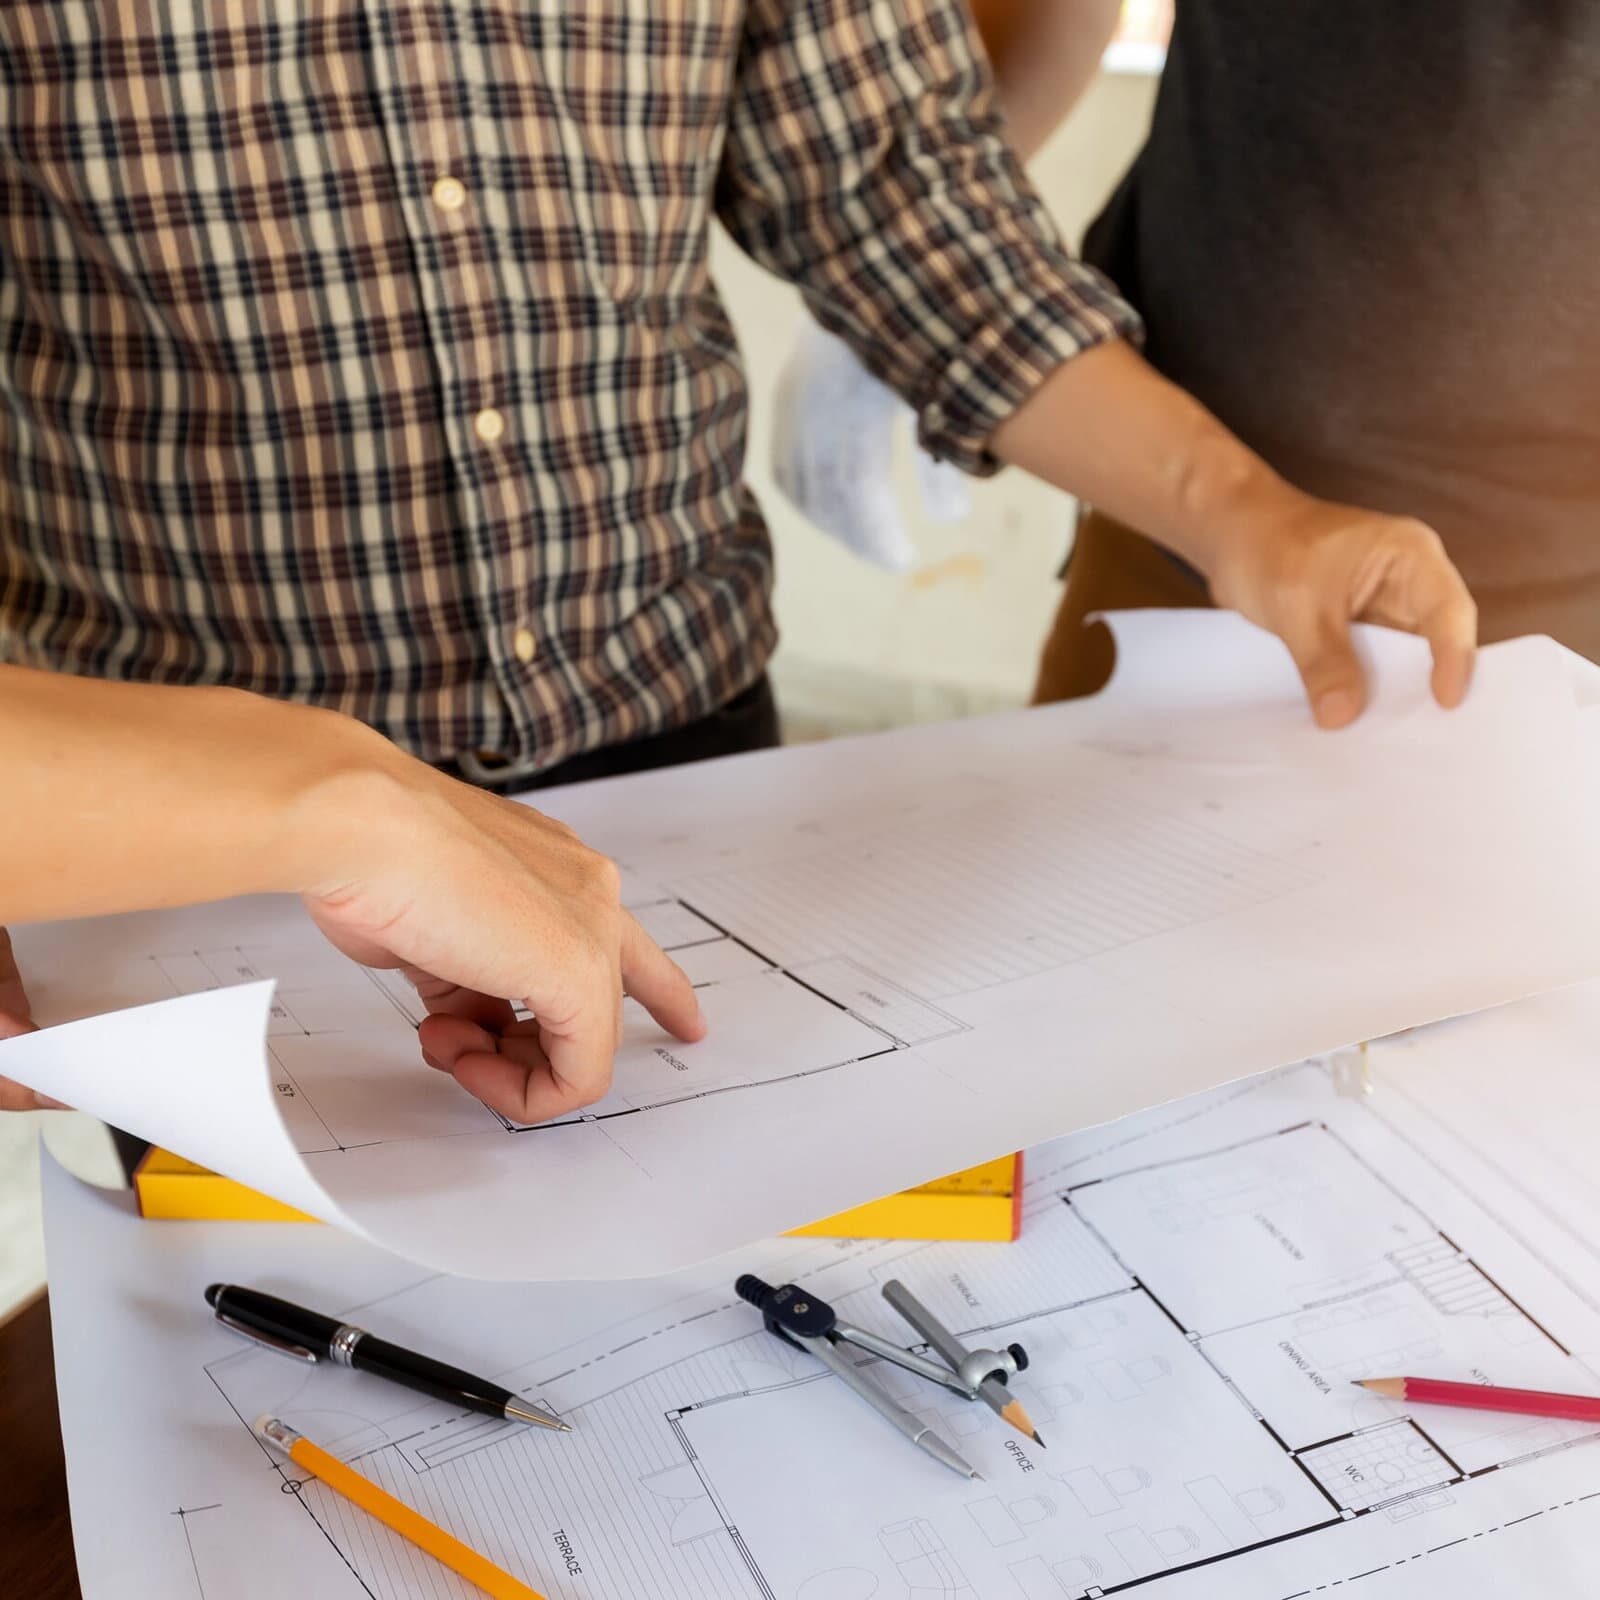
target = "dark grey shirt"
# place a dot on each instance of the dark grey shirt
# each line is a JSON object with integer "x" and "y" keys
{"x": 1366, "y": 233}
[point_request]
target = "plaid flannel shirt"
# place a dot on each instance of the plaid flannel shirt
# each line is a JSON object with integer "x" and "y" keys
{"x": 364, "y": 352}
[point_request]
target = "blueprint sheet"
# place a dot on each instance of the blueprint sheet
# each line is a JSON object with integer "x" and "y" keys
{"x": 916, "y": 952}
{"x": 1196, "y": 1286}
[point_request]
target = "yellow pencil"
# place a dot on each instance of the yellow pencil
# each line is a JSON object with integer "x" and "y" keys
{"x": 392, "y": 1513}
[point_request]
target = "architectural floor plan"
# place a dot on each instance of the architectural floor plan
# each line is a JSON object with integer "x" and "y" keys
{"x": 1197, "y": 1287}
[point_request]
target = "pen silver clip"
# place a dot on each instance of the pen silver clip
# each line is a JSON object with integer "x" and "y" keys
{"x": 256, "y": 1336}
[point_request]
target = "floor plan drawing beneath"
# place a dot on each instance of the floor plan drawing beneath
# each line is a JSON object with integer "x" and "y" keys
{"x": 1196, "y": 1299}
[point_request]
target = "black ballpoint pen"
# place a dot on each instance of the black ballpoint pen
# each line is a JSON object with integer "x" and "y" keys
{"x": 309, "y": 1336}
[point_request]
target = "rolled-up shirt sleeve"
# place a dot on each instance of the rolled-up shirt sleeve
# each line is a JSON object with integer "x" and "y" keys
{"x": 866, "y": 163}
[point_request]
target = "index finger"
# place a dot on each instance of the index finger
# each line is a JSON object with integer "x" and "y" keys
{"x": 659, "y": 984}
{"x": 1425, "y": 594}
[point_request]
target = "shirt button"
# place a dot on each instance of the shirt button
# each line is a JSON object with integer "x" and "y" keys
{"x": 449, "y": 194}
{"x": 489, "y": 425}
{"x": 525, "y": 645}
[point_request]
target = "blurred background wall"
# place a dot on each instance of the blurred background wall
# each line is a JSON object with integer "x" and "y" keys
{"x": 960, "y": 634}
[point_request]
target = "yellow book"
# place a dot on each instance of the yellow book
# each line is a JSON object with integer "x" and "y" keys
{"x": 980, "y": 1204}
{"x": 167, "y": 1186}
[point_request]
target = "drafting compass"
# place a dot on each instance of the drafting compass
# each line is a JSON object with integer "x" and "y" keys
{"x": 802, "y": 1320}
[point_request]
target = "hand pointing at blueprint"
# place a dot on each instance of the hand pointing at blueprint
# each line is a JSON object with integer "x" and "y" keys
{"x": 130, "y": 797}
{"x": 511, "y": 904}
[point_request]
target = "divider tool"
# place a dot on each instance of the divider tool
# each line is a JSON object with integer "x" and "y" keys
{"x": 810, "y": 1324}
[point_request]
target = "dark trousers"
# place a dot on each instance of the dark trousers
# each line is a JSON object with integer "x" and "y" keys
{"x": 749, "y": 721}
{"x": 1111, "y": 568}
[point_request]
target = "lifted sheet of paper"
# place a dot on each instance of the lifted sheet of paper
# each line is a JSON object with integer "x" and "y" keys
{"x": 916, "y": 951}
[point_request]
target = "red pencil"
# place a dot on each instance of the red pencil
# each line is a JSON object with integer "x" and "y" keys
{"x": 1485, "y": 1397}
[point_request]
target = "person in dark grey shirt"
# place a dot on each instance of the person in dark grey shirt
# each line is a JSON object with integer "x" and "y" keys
{"x": 1366, "y": 235}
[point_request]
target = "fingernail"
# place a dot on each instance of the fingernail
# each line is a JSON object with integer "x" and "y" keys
{"x": 1452, "y": 689}
{"x": 1336, "y": 708}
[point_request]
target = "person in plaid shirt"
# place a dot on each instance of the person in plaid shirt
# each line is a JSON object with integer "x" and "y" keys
{"x": 364, "y": 354}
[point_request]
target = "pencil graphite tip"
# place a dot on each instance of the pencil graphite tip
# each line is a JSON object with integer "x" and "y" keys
{"x": 1019, "y": 1419}
{"x": 1038, "y": 1441}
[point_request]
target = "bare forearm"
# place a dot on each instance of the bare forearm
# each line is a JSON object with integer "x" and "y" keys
{"x": 1110, "y": 430}
{"x": 1045, "y": 53}
{"x": 117, "y": 796}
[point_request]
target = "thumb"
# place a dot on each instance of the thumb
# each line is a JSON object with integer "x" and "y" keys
{"x": 1326, "y": 659}
{"x": 13, "y": 997}
{"x": 13, "y": 1096}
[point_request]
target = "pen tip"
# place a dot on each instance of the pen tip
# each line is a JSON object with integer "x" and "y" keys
{"x": 978, "y": 1477}
{"x": 517, "y": 1412}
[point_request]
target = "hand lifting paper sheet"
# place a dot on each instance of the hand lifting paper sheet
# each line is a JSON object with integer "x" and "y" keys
{"x": 916, "y": 951}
